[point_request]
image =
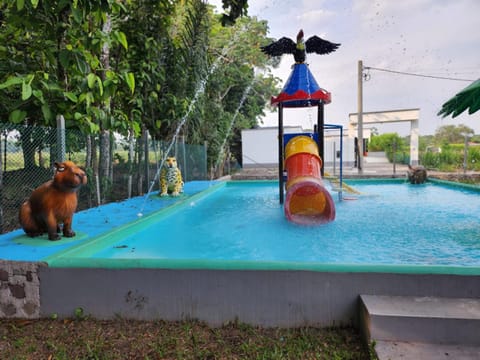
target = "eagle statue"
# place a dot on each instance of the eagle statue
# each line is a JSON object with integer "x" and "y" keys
{"x": 314, "y": 44}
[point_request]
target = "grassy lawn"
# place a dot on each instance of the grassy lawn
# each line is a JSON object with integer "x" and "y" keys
{"x": 125, "y": 339}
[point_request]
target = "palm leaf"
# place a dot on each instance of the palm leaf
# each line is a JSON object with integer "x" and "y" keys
{"x": 468, "y": 98}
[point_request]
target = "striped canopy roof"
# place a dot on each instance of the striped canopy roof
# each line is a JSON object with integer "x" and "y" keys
{"x": 301, "y": 89}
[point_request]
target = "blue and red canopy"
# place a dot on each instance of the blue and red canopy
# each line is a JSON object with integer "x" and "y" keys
{"x": 301, "y": 89}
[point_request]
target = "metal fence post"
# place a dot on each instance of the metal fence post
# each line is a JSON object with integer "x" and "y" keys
{"x": 61, "y": 148}
{"x": 147, "y": 158}
{"x": 205, "y": 156}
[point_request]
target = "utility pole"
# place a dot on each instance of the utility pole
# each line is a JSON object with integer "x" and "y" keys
{"x": 360, "y": 117}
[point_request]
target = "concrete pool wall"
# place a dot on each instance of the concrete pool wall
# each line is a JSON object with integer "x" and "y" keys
{"x": 19, "y": 289}
{"x": 257, "y": 297}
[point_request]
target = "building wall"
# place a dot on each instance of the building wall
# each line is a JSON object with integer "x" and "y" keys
{"x": 260, "y": 147}
{"x": 332, "y": 149}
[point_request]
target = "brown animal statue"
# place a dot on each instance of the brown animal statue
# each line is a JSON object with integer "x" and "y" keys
{"x": 53, "y": 203}
{"x": 416, "y": 174}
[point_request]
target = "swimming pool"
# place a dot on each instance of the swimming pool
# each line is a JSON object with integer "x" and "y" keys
{"x": 234, "y": 257}
{"x": 391, "y": 225}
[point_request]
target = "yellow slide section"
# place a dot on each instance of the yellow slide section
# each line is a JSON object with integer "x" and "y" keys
{"x": 307, "y": 201}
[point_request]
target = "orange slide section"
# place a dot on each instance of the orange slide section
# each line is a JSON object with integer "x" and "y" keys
{"x": 307, "y": 201}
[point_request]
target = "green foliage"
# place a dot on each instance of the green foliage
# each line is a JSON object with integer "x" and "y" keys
{"x": 128, "y": 339}
{"x": 445, "y": 150}
{"x": 475, "y": 139}
{"x": 385, "y": 142}
{"x": 430, "y": 160}
{"x": 54, "y": 62}
{"x": 234, "y": 8}
{"x": 79, "y": 314}
{"x": 124, "y": 66}
{"x": 447, "y": 160}
{"x": 424, "y": 142}
{"x": 473, "y": 159}
{"x": 450, "y": 134}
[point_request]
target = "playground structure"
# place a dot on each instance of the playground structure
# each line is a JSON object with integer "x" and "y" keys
{"x": 300, "y": 156}
{"x": 307, "y": 201}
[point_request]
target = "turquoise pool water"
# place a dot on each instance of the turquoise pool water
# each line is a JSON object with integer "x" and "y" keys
{"x": 390, "y": 223}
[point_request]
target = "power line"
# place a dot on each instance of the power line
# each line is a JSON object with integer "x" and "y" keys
{"x": 419, "y": 75}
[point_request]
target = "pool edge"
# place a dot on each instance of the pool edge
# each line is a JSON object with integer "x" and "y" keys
{"x": 200, "y": 264}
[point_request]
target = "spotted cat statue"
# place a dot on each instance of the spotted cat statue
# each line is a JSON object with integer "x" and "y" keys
{"x": 171, "y": 182}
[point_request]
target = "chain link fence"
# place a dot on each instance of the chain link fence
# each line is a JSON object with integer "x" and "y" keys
{"x": 28, "y": 153}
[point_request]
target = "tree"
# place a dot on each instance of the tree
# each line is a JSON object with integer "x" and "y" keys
{"x": 147, "y": 28}
{"x": 238, "y": 47}
{"x": 233, "y": 10}
{"x": 452, "y": 134}
{"x": 113, "y": 66}
{"x": 53, "y": 63}
{"x": 385, "y": 142}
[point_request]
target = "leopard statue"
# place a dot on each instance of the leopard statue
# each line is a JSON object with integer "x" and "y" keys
{"x": 171, "y": 178}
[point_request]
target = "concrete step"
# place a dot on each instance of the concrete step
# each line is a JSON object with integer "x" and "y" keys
{"x": 393, "y": 350}
{"x": 421, "y": 319}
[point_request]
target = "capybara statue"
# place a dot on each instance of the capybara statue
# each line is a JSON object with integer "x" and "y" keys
{"x": 53, "y": 203}
{"x": 416, "y": 174}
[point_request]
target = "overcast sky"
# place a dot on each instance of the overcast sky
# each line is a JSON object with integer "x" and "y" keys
{"x": 427, "y": 37}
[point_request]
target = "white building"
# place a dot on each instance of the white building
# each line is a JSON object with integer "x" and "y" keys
{"x": 260, "y": 147}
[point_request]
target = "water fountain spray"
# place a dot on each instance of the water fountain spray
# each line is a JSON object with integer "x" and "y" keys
{"x": 200, "y": 89}
{"x": 242, "y": 100}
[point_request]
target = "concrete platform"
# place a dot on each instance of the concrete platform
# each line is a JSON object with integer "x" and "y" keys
{"x": 412, "y": 327}
{"x": 393, "y": 350}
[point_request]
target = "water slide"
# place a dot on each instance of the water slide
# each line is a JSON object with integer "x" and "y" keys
{"x": 307, "y": 201}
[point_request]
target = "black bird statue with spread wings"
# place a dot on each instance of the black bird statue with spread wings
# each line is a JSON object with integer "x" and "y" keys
{"x": 314, "y": 44}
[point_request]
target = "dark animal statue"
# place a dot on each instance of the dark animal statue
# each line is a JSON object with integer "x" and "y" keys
{"x": 314, "y": 44}
{"x": 53, "y": 203}
{"x": 416, "y": 174}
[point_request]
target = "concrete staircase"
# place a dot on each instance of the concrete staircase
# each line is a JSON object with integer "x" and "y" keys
{"x": 407, "y": 327}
